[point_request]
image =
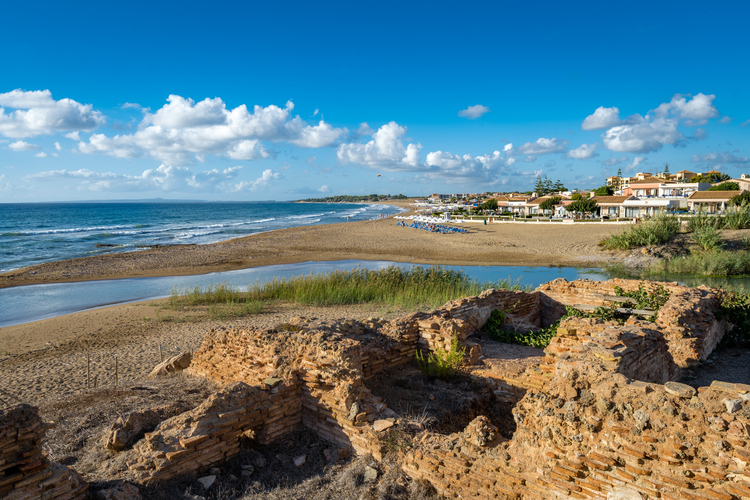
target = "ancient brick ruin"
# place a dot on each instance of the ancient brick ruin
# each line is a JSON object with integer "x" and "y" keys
{"x": 598, "y": 417}
{"x": 24, "y": 472}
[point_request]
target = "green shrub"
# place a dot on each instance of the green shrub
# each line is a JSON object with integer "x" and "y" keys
{"x": 440, "y": 363}
{"x": 708, "y": 238}
{"x": 702, "y": 221}
{"x": 735, "y": 308}
{"x": 725, "y": 186}
{"x": 737, "y": 217}
{"x": 654, "y": 298}
{"x": 655, "y": 231}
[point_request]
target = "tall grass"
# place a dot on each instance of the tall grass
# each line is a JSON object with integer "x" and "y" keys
{"x": 716, "y": 263}
{"x": 655, "y": 231}
{"x": 707, "y": 237}
{"x": 413, "y": 287}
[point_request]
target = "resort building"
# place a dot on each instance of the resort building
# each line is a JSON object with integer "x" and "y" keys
{"x": 648, "y": 207}
{"x": 710, "y": 201}
{"x": 611, "y": 206}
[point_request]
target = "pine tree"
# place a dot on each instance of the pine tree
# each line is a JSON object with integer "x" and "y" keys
{"x": 666, "y": 168}
{"x": 547, "y": 185}
{"x": 539, "y": 186}
{"x": 559, "y": 186}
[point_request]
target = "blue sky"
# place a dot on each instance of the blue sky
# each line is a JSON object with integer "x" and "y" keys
{"x": 286, "y": 100}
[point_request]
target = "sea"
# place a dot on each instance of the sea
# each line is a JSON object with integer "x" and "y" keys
{"x": 34, "y": 233}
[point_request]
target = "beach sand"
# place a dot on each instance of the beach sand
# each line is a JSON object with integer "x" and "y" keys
{"x": 48, "y": 358}
{"x": 531, "y": 244}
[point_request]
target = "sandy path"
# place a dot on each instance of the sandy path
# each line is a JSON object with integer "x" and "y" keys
{"x": 495, "y": 244}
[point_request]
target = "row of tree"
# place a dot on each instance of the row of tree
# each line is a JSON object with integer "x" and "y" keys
{"x": 544, "y": 186}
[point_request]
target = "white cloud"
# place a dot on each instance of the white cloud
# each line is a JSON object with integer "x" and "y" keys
{"x": 745, "y": 124}
{"x": 74, "y": 136}
{"x": 698, "y": 110}
{"x": 131, "y": 105}
{"x": 602, "y": 118}
{"x": 315, "y": 113}
{"x": 364, "y": 129}
{"x": 318, "y": 136}
{"x": 644, "y": 134}
{"x": 474, "y": 112}
{"x": 636, "y": 161}
{"x": 183, "y": 129}
{"x": 485, "y": 168}
{"x": 615, "y": 161}
{"x": 508, "y": 147}
{"x": 642, "y": 137}
{"x": 725, "y": 119}
{"x": 163, "y": 178}
{"x": 583, "y": 152}
{"x": 264, "y": 180}
{"x": 57, "y": 146}
{"x": 721, "y": 158}
{"x": 324, "y": 188}
{"x": 41, "y": 155}
{"x": 23, "y": 146}
{"x": 36, "y": 113}
{"x": 543, "y": 146}
{"x": 386, "y": 150}
{"x": 700, "y": 134}
{"x": 248, "y": 150}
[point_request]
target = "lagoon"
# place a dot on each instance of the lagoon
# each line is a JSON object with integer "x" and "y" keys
{"x": 35, "y": 302}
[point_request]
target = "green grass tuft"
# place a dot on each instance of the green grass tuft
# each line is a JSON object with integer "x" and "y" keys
{"x": 655, "y": 231}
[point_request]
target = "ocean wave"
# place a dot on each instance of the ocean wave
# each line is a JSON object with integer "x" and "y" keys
{"x": 304, "y": 216}
{"x": 65, "y": 231}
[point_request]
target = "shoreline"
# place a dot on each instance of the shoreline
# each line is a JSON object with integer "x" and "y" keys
{"x": 378, "y": 239}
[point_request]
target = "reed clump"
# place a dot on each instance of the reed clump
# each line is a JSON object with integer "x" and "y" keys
{"x": 718, "y": 262}
{"x": 655, "y": 231}
{"x": 413, "y": 287}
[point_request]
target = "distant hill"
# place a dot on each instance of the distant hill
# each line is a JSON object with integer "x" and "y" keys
{"x": 343, "y": 198}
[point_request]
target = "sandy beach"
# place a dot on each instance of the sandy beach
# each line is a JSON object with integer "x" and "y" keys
{"x": 533, "y": 244}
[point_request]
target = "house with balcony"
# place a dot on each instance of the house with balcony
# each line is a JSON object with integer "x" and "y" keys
{"x": 710, "y": 201}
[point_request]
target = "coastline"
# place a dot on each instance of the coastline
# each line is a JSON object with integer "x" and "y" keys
{"x": 379, "y": 239}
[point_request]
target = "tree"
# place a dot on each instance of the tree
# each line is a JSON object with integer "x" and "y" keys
{"x": 559, "y": 186}
{"x": 547, "y": 185}
{"x": 588, "y": 205}
{"x": 539, "y": 185}
{"x": 741, "y": 199}
{"x": 666, "y": 168}
{"x": 725, "y": 186}
{"x": 549, "y": 203}
{"x": 490, "y": 204}
{"x": 576, "y": 197}
{"x": 604, "y": 191}
{"x": 711, "y": 178}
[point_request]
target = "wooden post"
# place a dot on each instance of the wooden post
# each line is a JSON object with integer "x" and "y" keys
{"x": 88, "y": 372}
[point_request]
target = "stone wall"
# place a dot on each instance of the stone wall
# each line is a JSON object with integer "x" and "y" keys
{"x": 686, "y": 321}
{"x": 593, "y": 434}
{"x": 592, "y": 420}
{"x": 25, "y": 473}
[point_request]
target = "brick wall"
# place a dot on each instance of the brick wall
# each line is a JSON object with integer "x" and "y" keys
{"x": 25, "y": 473}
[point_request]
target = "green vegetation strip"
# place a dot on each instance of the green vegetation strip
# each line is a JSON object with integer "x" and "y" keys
{"x": 414, "y": 287}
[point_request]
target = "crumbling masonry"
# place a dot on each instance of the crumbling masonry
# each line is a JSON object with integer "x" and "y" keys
{"x": 600, "y": 417}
